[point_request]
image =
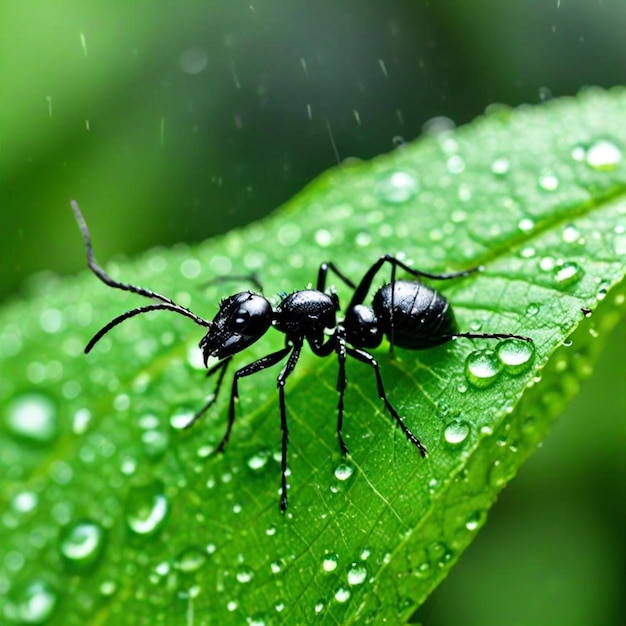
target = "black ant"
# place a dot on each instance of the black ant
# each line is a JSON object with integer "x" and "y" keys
{"x": 410, "y": 314}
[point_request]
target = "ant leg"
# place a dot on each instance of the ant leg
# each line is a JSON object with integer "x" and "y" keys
{"x": 220, "y": 366}
{"x": 366, "y": 282}
{"x": 323, "y": 271}
{"x": 368, "y": 359}
{"x": 252, "y": 368}
{"x": 341, "y": 388}
{"x": 282, "y": 377}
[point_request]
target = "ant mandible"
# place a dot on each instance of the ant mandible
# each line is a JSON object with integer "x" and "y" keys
{"x": 409, "y": 313}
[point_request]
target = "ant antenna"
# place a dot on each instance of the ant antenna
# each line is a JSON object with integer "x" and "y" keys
{"x": 166, "y": 303}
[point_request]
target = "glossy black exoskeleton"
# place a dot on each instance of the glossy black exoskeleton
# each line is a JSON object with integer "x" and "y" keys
{"x": 410, "y": 314}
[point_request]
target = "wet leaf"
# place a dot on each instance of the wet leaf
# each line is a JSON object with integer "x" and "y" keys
{"x": 113, "y": 511}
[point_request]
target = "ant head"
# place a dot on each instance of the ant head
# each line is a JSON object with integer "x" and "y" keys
{"x": 241, "y": 320}
{"x": 362, "y": 329}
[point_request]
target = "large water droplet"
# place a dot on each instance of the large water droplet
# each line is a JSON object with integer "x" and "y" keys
{"x": 515, "y": 354}
{"x": 32, "y": 603}
{"x": 32, "y": 416}
{"x": 568, "y": 274}
{"x": 357, "y": 574}
{"x": 482, "y": 367}
{"x": 81, "y": 543}
{"x": 343, "y": 471}
{"x": 456, "y": 432}
{"x": 603, "y": 154}
{"x": 147, "y": 508}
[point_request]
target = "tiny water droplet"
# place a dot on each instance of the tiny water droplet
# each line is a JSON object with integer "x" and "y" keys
{"x": 343, "y": 471}
{"x": 277, "y": 566}
{"x": 181, "y": 419}
{"x": 570, "y": 234}
{"x": 396, "y": 187}
{"x": 532, "y": 309}
{"x": 501, "y": 166}
{"x": 190, "y": 560}
{"x": 482, "y": 367}
{"x": 548, "y": 181}
{"x": 329, "y": 563}
{"x": 319, "y": 607}
{"x": 32, "y": 416}
{"x": 357, "y": 574}
{"x": 568, "y": 274}
{"x": 603, "y": 154}
{"x": 259, "y": 460}
{"x": 456, "y": 432}
{"x": 82, "y": 543}
{"x": 474, "y": 520}
{"x": 515, "y": 354}
{"x": 147, "y": 508}
{"x": 244, "y": 575}
{"x": 526, "y": 224}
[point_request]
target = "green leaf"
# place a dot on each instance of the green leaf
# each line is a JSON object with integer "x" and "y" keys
{"x": 113, "y": 512}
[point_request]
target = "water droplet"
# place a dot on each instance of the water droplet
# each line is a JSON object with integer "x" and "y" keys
{"x": 343, "y": 471}
{"x": 82, "y": 543}
{"x": 181, "y": 419}
{"x": 548, "y": 181}
{"x": 456, "y": 432}
{"x": 342, "y": 595}
{"x": 244, "y": 575}
{"x": 570, "y": 234}
{"x": 155, "y": 442}
{"x": 147, "y": 508}
{"x": 501, "y": 473}
{"x": 357, "y": 574}
{"x": 329, "y": 563}
{"x": 323, "y": 237}
{"x": 532, "y": 309}
{"x": 319, "y": 607}
{"x": 32, "y": 416}
{"x": 568, "y": 274}
{"x": 501, "y": 166}
{"x": 547, "y": 263}
{"x": 603, "y": 154}
{"x": 51, "y": 321}
{"x": 526, "y": 224}
{"x": 277, "y": 566}
{"x": 515, "y": 354}
{"x": 259, "y": 460}
{"x": 190, "y": 560}
{"x": 474, "y": 520}
{"x": 24, "y": 502}
{"x": 455, "y": 164}
{"x": 32, "y": 603}
{"x": 482, "y": 367}
{"x": 396, "y": 187}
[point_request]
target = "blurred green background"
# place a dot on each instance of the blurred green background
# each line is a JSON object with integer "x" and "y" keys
{"x": 178, "y": 120}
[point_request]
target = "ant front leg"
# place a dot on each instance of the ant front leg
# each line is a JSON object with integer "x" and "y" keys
{"x": 248, "y": 370}
{"x": 221, "y": 367}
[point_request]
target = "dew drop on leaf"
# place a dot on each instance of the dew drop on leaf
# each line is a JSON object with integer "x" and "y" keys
{"x": 603, "y": 154}
{"x": 244, "y": 575}
{"x": 357, "y": 574}
{"x": 190, "y": 560}
{"x": 568, "y": 274}
{"x": 396, "y": 187}
{"x": 548, "y": 181}
{"x": 501, "y": 166}
{"x": 147, "y": 508}
{"x": 81, "y": 543}
{"x": 342, "y": 595}
{"x": 482, "y": 367}
{"x": 33, "y": 417}
{"x": 515, "y": 354}
{"x": 32, "y": 603}
{"x": 343, "y": 471}
{"x": 329, "y": 564}
{"x": 456, "y": 432}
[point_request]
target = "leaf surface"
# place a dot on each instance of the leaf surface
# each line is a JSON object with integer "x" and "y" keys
{"x": 113, "y": 511}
